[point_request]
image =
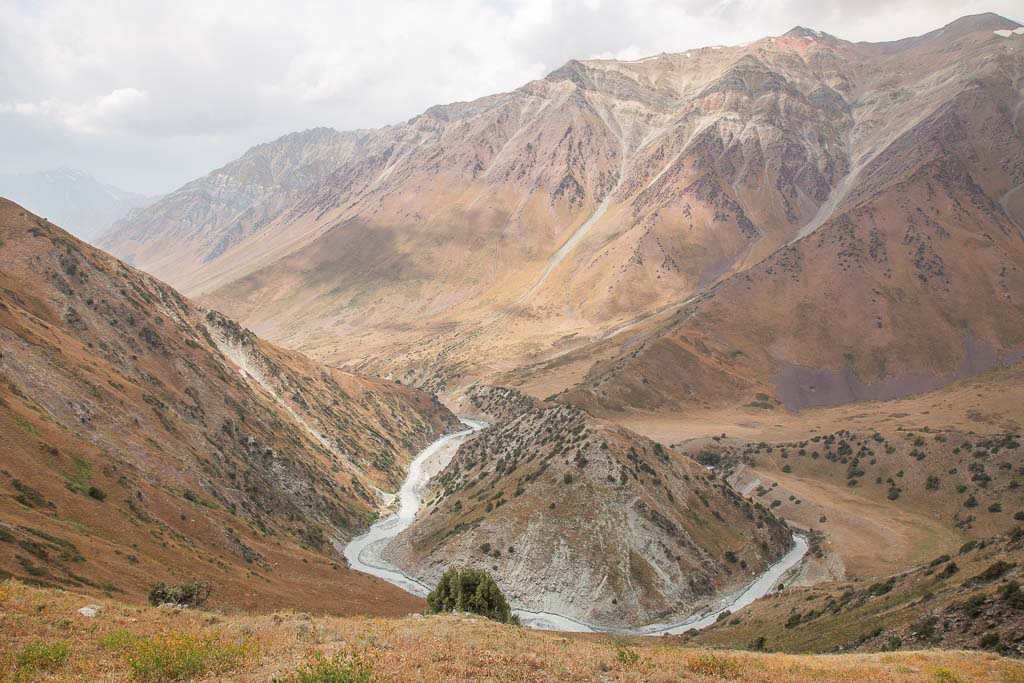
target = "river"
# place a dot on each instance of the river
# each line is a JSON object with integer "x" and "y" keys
{"x": 364, "y": 553}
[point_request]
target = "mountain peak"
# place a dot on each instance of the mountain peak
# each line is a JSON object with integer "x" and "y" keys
{"x": 988, "y": 21}
{"x": 807, "y": 33}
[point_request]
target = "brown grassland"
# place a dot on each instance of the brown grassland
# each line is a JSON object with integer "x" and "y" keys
{"x": 43, "y": 637}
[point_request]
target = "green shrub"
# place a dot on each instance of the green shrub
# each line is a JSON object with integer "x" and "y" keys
{"x": 993, "y": 571}
{"x": 1013, "y": 595}
{"x": 470, "y": 590}
{"x": 625, "y": 655}
{"x": 989, "y": 641}
{"x": 97, "y": 493}
{"x": 341, "y": 668}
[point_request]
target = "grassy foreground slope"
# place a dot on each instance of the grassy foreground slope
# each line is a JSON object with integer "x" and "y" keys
{"x": 43, "y": 637}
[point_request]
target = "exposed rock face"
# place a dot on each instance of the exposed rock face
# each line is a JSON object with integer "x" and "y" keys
{"x": 817, "y": 182}
{"x": 579, "y": 517}
{"x": 134, "y": 414}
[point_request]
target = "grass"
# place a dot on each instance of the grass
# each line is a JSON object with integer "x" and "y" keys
{"x": 43, "y": 656}
{"x": 37, "y": 657}
{"x": 341, "y": 668}
{"x": 712, "y": 664}
{"x": 27, "y": 427}
{"x": 79, "y": 481}
{"x": 177, "y": 656}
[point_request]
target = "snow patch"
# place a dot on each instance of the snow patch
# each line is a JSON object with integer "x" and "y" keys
{"x": 1006, "y": 33}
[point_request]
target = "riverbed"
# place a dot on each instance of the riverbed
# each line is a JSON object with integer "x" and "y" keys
{"x": 365, "y": 553}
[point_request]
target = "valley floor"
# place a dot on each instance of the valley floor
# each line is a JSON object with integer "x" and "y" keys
{"x": 44, "y": 637}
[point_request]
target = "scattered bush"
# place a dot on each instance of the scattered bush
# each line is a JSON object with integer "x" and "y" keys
{"x": 989, "y": 641}
{"x": 97, "y": 493}
{"x": 993, "y": 572}
{"x": 470, "y": 590}
{"x": 193, "y": 594}
{"x": 1012, "y": 595}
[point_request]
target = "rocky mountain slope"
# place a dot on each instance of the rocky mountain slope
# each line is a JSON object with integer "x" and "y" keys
{"x": 969, "y": 598}
{"x": 582, "y": 518}
{"x": 203, "y": 219}
{"x": 147, "y": 438}
{"x": 597, "y": 226}
{"x": 72, "y": 198}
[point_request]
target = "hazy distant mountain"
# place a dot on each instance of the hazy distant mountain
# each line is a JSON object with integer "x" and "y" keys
{"x": 72, "y": 198}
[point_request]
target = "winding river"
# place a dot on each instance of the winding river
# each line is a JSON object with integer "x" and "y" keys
{"x": 364, "y": 553}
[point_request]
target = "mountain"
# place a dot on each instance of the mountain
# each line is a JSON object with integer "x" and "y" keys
{"x": 598, "y": 230}
{"x": 73, "y": 198}
{"x": 585, "y": 519}
{"x": 145, "y": 438}
{"x": 203, "y": 219}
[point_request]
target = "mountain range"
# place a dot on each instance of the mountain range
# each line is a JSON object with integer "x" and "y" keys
{"x": 860, "y": 201}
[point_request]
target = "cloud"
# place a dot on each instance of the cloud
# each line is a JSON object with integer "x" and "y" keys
{"x": 149, "y": 94}
{"x": 93, "y": 116}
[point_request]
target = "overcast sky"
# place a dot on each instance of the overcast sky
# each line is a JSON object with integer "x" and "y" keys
{"x": 147, "y": 95}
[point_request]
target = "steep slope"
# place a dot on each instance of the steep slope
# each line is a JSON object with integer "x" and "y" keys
{"x": 72, "y": 198}
{"x": 585, "y": 519}
{"x": 145, "y": 438}
{"x": 561, "y": 226}
{"x": 915, "y": 279}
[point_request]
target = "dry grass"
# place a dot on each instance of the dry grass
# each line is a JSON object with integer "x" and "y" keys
{"x": 128, "y": 643}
